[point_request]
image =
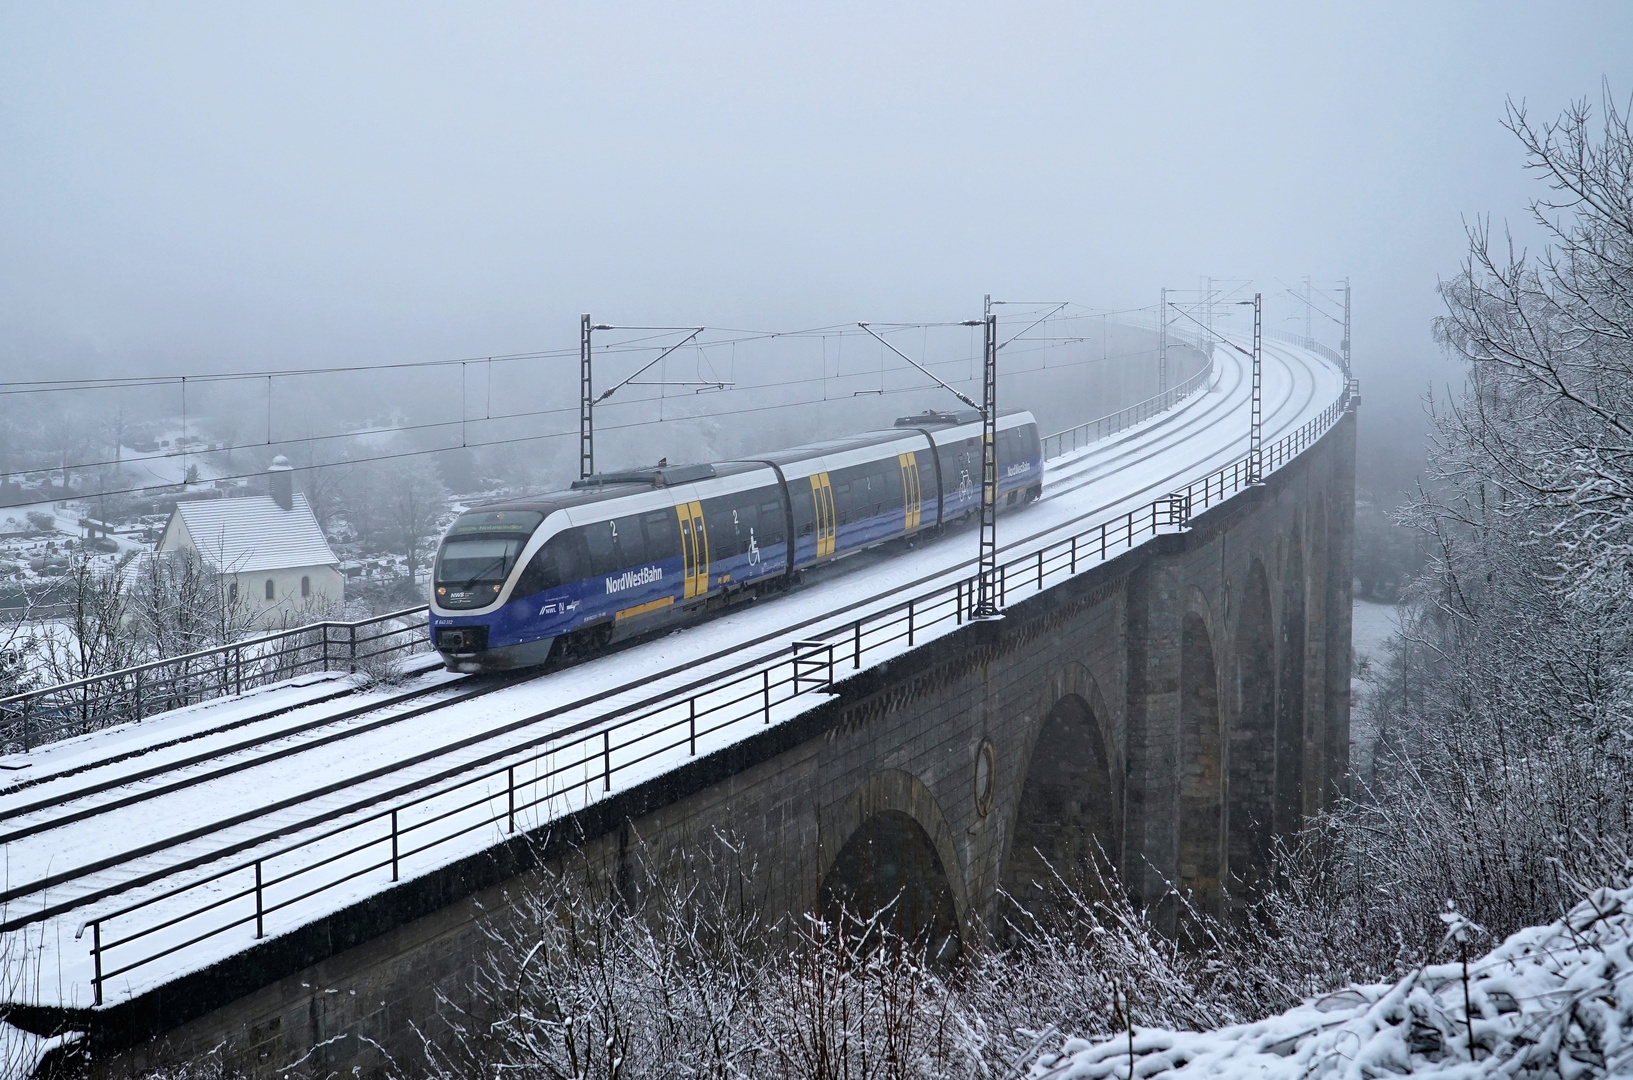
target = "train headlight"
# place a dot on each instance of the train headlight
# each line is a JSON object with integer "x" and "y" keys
{"x": 442, "y": 590}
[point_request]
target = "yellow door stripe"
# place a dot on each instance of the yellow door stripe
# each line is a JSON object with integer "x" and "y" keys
{"x": 822, "y": 498}
{"x": 642, "y": 609}
{"x": 911, "y": 494}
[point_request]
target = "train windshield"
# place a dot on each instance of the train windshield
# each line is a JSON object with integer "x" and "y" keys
{"x": 478, "y": 554}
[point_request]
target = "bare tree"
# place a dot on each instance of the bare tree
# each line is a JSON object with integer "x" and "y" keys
{"x": 1504, "y": 779}
{"x": 177, "y": 606}
{"x": 408, "y": 505}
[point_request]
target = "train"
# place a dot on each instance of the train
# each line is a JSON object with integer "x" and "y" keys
{"x": 525, "y": 581}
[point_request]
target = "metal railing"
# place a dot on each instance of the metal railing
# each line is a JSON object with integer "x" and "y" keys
{"x": 545, "y": 777}
{"x": 1333, "y": 356}
{"x": 1094, "y": 430}
{"x": 46, "y": 714}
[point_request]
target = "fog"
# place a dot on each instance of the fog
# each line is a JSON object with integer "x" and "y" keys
{"x": 204, "y": 188}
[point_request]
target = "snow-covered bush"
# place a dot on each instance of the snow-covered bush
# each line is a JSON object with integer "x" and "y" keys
{"x": 1553, "y": 1000}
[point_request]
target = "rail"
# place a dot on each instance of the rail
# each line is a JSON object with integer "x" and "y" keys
{"x": 545, "y": 777}
{"x": 1094, "y": 430}
{"x": 46, "y": 714}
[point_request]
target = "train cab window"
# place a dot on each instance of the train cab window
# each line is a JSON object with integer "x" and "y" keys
{"x": 662, "y": 530}
{"x": 1031, "y": 443}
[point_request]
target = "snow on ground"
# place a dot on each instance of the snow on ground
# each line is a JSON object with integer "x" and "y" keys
{"x": 450, "y": 772}
{"x": 1554, "y": 1000}
{"x": 1374, "y": 624}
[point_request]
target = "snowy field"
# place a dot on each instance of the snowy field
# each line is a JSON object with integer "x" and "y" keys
{"x": 100, "y": 827}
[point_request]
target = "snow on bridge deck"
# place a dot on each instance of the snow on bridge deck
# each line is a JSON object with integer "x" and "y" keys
{"x": 333, "y": 797}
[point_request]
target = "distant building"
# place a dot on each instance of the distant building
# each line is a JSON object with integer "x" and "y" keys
{"x": 271, "y": 557}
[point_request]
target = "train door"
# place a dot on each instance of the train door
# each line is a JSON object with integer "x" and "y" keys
{"x": 694, "y": 549}
{"x": 912, "y": 495}
{"x": 822, "y": 494}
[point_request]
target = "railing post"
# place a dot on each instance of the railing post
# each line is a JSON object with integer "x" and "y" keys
{"x": 1102, "y": 541}
{"x": 691, "y": 703}
{"x": 606, "y": 760}
{"x": 352, "y": 662}
{"x": 96, "y": 961}
{"x": 510, "y": 791}
{"x": 910, "y": 624}
{"x": 238, "y": 664}
{"x": 325, "y": 646}
{"x": 767, "y": 674}
{"x": 958, "y": 604}
{"x": 1003, "y": 585}
{"x": 260, "y": 907}
{"x": 857, "y": 661}
{"x": 1040, "y": 568}
{"x": 394, "y": 845}
{"x": 138, "y": 715}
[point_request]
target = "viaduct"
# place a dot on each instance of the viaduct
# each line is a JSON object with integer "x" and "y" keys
{"x": 1178, "y": 708}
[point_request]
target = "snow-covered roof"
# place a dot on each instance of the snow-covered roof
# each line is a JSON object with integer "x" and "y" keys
{"x": 255, "y": 533}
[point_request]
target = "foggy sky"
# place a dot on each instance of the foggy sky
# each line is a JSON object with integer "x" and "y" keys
{"x": 198, "y": 187}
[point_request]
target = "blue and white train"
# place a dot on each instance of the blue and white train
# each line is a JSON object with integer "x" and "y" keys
{"x": 620, "y": 554}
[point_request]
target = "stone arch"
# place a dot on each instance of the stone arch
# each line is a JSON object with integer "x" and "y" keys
{"x": 1065, "y": 818}
{"x": 891, "y": 845}
{"x": 1251, "y": 781}
{"x": 1290, "y": 719}
{"x": 1200, "y": 795}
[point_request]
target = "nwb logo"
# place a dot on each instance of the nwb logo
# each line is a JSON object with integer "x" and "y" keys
{"x": 646, "y": 575}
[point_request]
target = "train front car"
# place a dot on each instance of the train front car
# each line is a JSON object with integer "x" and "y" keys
{"x": 479, "y": 619}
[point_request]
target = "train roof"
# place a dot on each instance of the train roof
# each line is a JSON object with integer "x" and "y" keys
{"x": 603, "y": 486}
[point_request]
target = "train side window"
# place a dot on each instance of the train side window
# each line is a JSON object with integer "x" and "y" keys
{"x": 771, "y": 528}
{"x": 662, "y": 535}
{"x": 804, "y": 507}
{"x": 746, "y": 516}
{"x": 887, "y": 488}
{"x": 603, "y": 543}
{"x": 722, "y": 529}
{"x": 631, "y": 542}
{"x": 543, "y": 572}
{"x": 559, "y": 561}
{"x": 844, "y": 502}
